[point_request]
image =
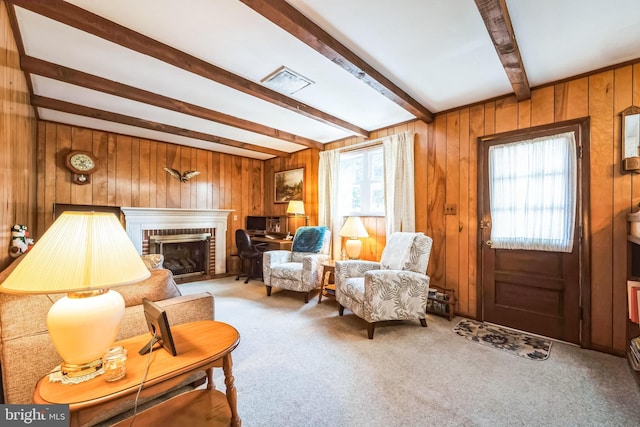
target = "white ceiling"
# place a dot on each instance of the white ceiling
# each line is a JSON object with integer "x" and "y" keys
{"x": 438, "y": 51}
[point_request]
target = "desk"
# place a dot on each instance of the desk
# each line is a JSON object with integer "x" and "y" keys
{"x": 201, "y": 346}
{"x": 273, "y": 244}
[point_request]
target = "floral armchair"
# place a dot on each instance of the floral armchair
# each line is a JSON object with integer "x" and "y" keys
{"x": 300, "y": 269}
{"x": 396, "y": 288}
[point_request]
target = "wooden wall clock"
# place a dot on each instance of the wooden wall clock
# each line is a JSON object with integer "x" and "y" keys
{"x": 81, "y": 164}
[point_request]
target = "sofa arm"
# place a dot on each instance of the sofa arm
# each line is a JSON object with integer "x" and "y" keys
{"x": 181, "y": 309}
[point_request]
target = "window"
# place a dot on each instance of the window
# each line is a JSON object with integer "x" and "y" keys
{"x": 362, "y": 182}
{"x": 533, "y": 193}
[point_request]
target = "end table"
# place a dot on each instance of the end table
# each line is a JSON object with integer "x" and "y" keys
{"x": 327, "y": 283}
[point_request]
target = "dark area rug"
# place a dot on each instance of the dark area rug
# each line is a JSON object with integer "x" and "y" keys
{"x": 518, "y": 343}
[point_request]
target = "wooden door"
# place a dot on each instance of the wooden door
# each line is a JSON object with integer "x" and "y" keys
{"x": 529, "y": 290}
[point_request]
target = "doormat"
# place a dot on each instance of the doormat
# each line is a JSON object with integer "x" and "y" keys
{"x": 518, "y": 343}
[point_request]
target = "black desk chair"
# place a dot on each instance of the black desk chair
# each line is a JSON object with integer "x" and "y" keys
{"x": 248, "y": 251}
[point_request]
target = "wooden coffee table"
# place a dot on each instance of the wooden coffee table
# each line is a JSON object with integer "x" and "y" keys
{"x": 201, "y": 346}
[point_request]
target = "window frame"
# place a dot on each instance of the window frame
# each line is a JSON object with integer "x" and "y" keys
{"x": 366, "y": 193}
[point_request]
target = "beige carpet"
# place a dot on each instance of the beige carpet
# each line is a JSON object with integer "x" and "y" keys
{"x": 302, "y": 365}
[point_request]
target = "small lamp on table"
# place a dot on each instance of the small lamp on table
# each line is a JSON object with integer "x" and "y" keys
{"x": 354, "y": 230}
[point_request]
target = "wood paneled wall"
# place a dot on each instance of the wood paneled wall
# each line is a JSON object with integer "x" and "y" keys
{"x": 130, "y": 174}
{"x": 17, "y": 143}
{"x": 446, "y": 172}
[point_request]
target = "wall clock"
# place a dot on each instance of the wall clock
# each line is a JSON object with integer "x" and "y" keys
{"x": 81, "y": 164}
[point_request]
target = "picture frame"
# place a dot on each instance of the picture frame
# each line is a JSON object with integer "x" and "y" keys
{"x": 288, "y": 185}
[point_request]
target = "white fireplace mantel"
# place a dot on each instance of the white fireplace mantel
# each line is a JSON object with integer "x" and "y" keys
{"x": 139, "y": 219}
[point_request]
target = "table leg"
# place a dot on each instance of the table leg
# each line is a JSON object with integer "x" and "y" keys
{"x": 322, "y": 278}
{"x": 210, "y": 384}
{"x": 232, "y": 398}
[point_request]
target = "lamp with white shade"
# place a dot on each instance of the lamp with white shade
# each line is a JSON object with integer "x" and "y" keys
{"x": 354, "y": 230}
{"x": 296, "y": 208}
{"x": 82, "y": 254}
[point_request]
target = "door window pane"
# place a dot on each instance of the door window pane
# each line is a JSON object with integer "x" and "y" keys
{"x": 532, "y": 188}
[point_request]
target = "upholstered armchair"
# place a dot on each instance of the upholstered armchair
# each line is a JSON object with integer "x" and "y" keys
{"x": 299, "y": 269}
{"x": 396, "y": 288}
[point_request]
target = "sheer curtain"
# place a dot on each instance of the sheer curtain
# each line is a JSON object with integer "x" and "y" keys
{"x": 328, "y": 201}
{"x": 399, "y": 184}
{"x": 532, "y": 187}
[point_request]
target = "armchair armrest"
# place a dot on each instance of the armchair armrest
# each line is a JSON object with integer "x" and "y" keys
{"x": 270, "y": 258}
{"x": 396, "y": 294}
{"x": 311, "y": 268}
{"x": 354, "y": 268}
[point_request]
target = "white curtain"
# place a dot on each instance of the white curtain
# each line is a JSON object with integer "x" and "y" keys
{"x": 399, "y": 194}
{"x": 532, "y": 187}
{"x": 328, "y": 201}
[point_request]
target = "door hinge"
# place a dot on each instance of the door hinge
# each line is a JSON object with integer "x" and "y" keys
{"x": 580, "y": 232}
{"x": 580, "y": 151}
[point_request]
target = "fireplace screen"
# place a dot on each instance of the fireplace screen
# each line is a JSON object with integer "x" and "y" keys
{"x": 184, "y": 254}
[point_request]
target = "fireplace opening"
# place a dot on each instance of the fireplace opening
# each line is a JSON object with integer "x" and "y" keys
{"x": 184, "y": 254}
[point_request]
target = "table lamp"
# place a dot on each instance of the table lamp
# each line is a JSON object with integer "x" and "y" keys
{"x": 353, "y": 229}
{"x": 82, "y": 254}
{"x": 296, "y": 208}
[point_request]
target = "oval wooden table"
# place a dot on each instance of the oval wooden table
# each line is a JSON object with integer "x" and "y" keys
{"x": 201, "y": 346}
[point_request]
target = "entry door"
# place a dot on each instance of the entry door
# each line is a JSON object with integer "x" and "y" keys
{"x": 528, "y": 289}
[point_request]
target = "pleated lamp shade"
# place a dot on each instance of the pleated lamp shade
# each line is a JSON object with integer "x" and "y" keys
{"x": 82, "y": 254}
{"x": 81, "y": 251}
{"x": 295, "y": 207}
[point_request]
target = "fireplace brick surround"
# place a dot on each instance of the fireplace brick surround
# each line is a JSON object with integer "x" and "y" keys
{"x": 141, "y": 222}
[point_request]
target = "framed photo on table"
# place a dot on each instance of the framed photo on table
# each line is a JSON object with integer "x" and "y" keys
{"x": 289, "y": 185}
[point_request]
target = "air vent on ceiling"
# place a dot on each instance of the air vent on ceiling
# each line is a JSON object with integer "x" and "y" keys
{"x": 287, "y": 81}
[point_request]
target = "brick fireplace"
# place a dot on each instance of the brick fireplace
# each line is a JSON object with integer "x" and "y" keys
{"x": 142, "y": 223}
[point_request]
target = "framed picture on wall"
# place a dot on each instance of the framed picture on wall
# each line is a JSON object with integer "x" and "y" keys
{"x": 289, "y": 185}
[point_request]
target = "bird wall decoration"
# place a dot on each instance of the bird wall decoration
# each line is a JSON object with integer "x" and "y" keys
{"x": 184, "y": 177}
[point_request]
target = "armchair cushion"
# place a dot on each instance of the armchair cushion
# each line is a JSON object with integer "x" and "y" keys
{"x": 396, "y": 251}
{"x": 309, "y": 239}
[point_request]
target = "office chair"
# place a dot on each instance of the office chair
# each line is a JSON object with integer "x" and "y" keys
{"x": 248, "y": 251}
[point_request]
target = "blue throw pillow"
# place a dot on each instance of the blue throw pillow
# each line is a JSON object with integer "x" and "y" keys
{"x": 309, "y": 239}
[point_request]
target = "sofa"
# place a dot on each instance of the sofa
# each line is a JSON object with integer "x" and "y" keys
{"x": 27, "y": 353}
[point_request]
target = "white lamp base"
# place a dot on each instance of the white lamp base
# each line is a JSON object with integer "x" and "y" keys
{"x": 353, "y": 248}
{"x": 83, "y": 326}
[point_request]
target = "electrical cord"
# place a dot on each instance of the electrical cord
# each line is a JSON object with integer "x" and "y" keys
{"x": 144, "y": 378}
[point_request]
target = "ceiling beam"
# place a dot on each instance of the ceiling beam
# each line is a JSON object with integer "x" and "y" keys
{"x": 89, "y": 81}
{"x": 91, "y": 23}
{"x": 496, "y": 18}
{"x": 295, "y": 23}
{"x": 81, "y": 110}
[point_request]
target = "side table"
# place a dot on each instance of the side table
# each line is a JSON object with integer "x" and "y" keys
{"x": 201, "y": 346}
{"x": 327, "y": 283}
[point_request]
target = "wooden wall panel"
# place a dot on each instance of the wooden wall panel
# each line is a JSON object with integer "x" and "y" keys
{"x": 601, "y": 111}
{"x": 130, "y": 174}
{"x": 622, "y": 98}
{"x": 18, "y": 144}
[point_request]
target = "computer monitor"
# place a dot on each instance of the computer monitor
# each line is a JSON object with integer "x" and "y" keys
{"x": 158, "y": 325}
{"x": 256, "y": 224}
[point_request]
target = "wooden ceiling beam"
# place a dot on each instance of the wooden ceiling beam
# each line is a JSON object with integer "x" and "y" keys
{"x": 295, "y": 23}
{"x": 496, "y": 18}
{"x": 91, "y": 23}
{"x": 81, "y": 110}
{"x": 89, "y": 81}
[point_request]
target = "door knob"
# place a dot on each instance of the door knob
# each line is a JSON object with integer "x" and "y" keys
{"x": 489, "y": 243}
